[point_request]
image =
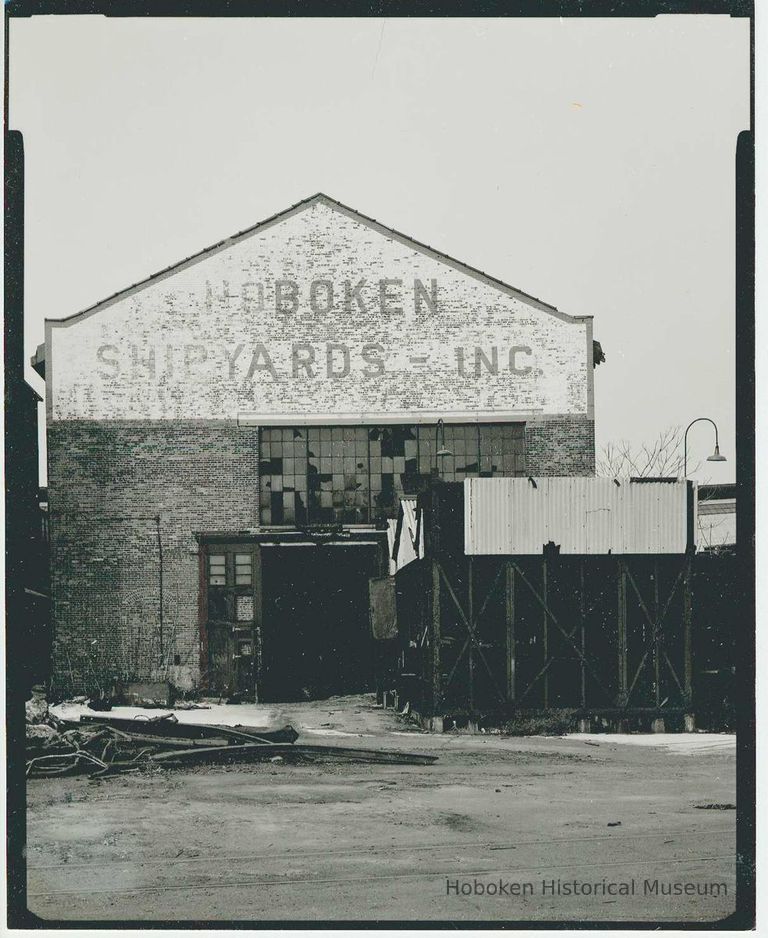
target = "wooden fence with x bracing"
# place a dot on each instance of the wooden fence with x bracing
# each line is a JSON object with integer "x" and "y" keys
{"x": 611, "y": 637}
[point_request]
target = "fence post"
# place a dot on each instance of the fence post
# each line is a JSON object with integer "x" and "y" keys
{"x": 585, "y": 724}
{"x": 470, "y": 650}
{"x": 546, "y": 629}
{"x": 690, "y": 720}
{"x": 657, "y": 647}
{"x": 622, "y": 637}
{"x": 582, "y": 616}
{"x": 437, "y": 682}
{"x": 510, "y": 617}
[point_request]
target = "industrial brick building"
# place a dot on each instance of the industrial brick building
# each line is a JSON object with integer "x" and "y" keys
{"x": 228, "y": 440}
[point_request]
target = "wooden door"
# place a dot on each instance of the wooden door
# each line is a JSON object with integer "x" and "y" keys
{"x": 232, "y": 585}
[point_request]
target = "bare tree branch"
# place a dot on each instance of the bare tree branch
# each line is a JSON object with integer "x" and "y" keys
{"x": 663, "y": 457}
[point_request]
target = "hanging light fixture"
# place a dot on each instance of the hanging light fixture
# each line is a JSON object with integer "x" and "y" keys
{"x": 442, "y": 451}
{"x": 715, "y": 457}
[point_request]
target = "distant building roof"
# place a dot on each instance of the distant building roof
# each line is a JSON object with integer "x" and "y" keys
{"x": 717, "y": 516}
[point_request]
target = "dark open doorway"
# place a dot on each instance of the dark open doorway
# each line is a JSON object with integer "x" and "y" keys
{"x": 316, "y": 639}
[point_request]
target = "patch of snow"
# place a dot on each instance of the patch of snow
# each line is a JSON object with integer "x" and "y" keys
{"x": 319, "y": 731}
{"x": 681, "y": 743}
{"x": 261, "y": 715}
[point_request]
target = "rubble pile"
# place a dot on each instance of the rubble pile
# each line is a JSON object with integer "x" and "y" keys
{"x": 103, "y": 746}
{"x": 52, "y": 749}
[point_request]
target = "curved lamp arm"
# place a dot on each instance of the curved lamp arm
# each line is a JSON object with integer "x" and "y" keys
{"x": 685, "y": 442}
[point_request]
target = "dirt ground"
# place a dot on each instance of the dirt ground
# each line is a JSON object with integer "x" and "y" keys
{"x": 333, "y": 841}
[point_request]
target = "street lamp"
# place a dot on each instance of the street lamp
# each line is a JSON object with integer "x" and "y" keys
{"x": 442, "y": 450}
{"x": 715, "y": 457}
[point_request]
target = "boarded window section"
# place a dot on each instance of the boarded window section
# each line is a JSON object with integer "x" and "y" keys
{"x": 244, "y": 608}
{"x": 355, "y": 475}
{"x": 217, "y": 570}
{"x": 243, "y": 570}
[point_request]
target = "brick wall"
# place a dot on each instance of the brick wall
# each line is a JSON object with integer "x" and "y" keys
{"x": 560, "y": 446}
{"x": 318, "y": 312}
{"x": 107, "y": 485}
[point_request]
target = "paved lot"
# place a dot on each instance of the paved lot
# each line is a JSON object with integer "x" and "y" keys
{"x": 353, "y": 842}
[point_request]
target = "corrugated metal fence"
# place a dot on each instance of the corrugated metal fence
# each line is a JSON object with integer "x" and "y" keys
{"x": 582, "y": 515}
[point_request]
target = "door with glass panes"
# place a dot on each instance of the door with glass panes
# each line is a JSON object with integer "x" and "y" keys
{"x": 231, "y": 622}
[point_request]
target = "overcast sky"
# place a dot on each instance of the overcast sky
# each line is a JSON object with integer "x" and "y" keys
{"x": 587, "y": 162}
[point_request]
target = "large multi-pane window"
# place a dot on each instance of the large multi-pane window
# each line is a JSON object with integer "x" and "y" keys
{"x": 354, "y": 475}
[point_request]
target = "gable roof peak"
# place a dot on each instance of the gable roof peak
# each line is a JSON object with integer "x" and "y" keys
{"x": 343, "y": 209}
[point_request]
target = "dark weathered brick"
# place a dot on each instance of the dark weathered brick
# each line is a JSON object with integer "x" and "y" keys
{"x": 560, "y": 446}
{"x": 107, "y": 484}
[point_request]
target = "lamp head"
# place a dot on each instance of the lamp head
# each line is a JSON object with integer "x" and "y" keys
{"x": 443, "y": 451}
{"x": 716, "y": 457}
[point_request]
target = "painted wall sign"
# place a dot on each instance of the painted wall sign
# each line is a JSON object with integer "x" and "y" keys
{"x": 317, "y": 311}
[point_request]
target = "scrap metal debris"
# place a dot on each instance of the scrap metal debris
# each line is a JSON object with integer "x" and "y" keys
{"x": 168, "y": 725}
{"x": 103, "y": 746}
